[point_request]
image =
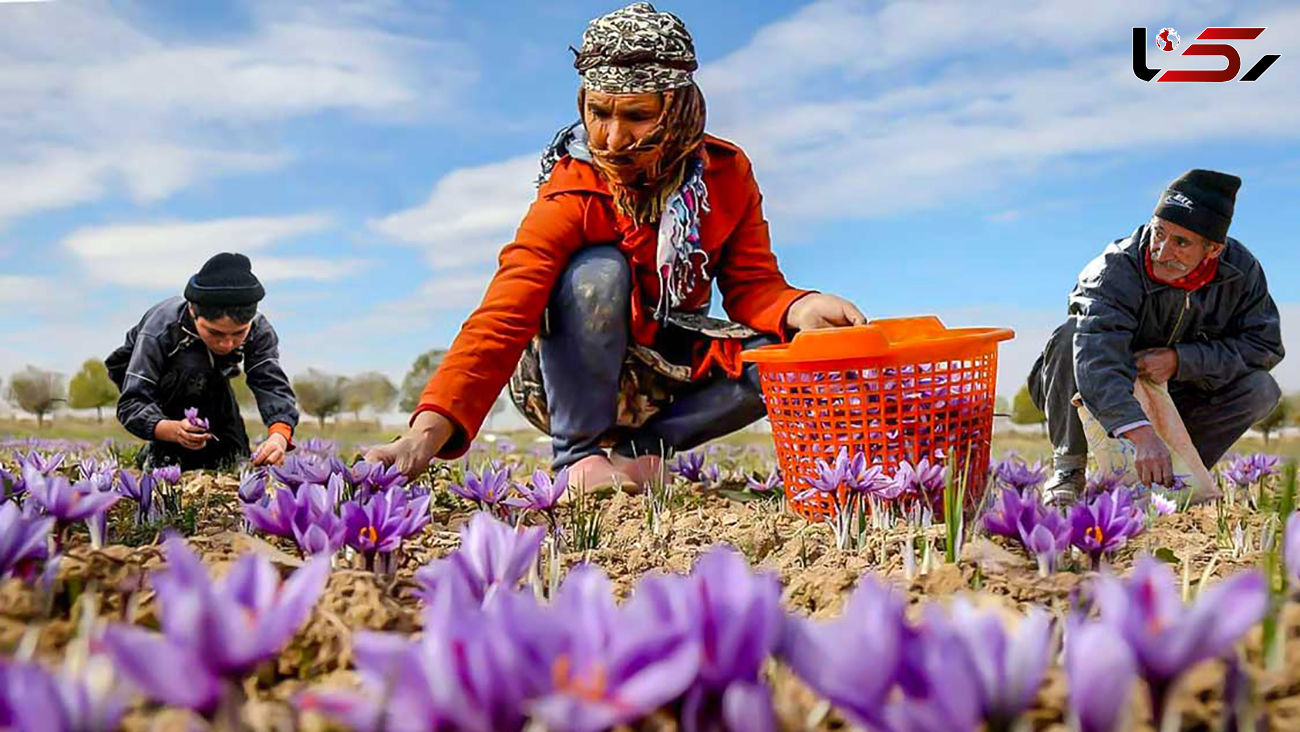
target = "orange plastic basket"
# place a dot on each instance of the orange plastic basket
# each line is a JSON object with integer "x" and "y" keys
{"x": 895, "y": 389}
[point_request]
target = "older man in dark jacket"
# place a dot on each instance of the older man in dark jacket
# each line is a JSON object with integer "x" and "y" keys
{"x": 182, "y": 356}
{"x": 1177, "y": 301}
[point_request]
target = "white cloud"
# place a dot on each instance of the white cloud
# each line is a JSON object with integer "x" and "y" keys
{"x": 160, "y": 255}
{"x": 23, "y": 289}
{"x": 470, "y": 214}
{"x": 853, "y": 109}
{"x": 94, "y": 102}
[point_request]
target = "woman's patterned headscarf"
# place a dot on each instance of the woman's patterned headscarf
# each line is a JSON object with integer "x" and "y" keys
{"x": 636, "y": 50}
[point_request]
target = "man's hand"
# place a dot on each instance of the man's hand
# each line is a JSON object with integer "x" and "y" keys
{"x": 182, "y": 433}
{"x": 814, "y": 311}
{"x": 1157, "y": 365}
{"x": 413, "y": 451}
{"x": 1154, "y": 464}
{"x": 271, "y": 451}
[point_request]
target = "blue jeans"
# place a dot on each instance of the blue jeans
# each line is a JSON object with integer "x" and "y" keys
{"x": 582, "y": 355}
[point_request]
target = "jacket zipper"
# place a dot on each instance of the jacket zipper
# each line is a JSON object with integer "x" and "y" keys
{"x": 1187, "y": 303}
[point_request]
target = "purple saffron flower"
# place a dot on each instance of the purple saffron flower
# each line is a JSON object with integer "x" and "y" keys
{"x": 376, "y": 476}
{"x": 40, "y": 463}
{"x": 252, "y": 486}
{"x": 376, "y": 527}
{"x": 942, "y": 693}
{"x": 192, "y": 416}
{"x": 920, "y": 480}
{"x": 737, "y": 621}
{"x": 1009, "y": 666}
{"x": 487, "y": 488}
{"x": 1099, "y": 482}
{"x": 24, "y": 540}
{"x": 1105, "y": 524}
{"x": 689, "y": 465}
{"x": 541, "y": 493}
{"x": 1101, "y": 672}
{"x": 169, "y": 475}
{"x": 64, "y": 501}
{"x": 492, "y": 557}
{"x": 1047, "y": 539}
{"x": 1251, "y": 469}
{"x": 1168, "y": 638}
{"x": 276, "y": 517}
{"x": 11, "y": 486}
{"x": 711, "y": 476}
{"x": 1163, "y": 506}
{"x": 1012, "y": 510}
{"x": 853, "y": 661}
{"x": 33, "y": 699}
{"x": 609, "y": 669}
{"x": 213, "y": 632}
{"x": 1019, "y": 475}
{"x": 772, "y": 483}
{"x": 830, "y": 478}
{"x": 298, "y": 470}
{"x": 1291, "y": 549}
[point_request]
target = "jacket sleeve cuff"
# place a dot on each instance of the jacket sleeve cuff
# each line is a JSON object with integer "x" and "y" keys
{"x": 284, "y": 430}
{"x": 456, "y": 445}
{"x": 1119, "y": 431}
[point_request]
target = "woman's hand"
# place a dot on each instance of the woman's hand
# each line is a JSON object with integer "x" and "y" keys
{"x": 814, "y": 310}
{"x": 413, "y": 451}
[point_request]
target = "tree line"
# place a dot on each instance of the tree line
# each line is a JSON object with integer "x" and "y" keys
{"x": 320, "y": 394}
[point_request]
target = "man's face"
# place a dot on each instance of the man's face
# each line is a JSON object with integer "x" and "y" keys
{"x": 222, "y": 335}
{"x": 1177, "y": 250}
{"x": 617, "y": 122}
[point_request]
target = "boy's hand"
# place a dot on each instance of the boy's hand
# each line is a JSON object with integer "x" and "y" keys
{"x": 182, "y": 433}
{"x": 271, "y": 451}
{"x": 815, "y": 310}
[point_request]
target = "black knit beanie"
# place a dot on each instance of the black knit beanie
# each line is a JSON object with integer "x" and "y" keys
{"x": 1201, "y": 200}
{"x": 226, "y": 279}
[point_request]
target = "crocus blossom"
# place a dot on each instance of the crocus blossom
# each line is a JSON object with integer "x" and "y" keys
{"x": 1291, "y": 549}
{"x": 33, "y": 699}
{"x": 487, "y": 488}
{"x": 492, "y": 556}
{"x": 1105, "y": 524}
{"x": 924, "y": 479}
{"x": 1047, "y": 539}
{"x": 1009, "y": 666}
{"x": 852, "y": 661}
{"x": 1018, "y": 475}
{"x": 541, "y": 493}
{"x": 1009, "y": 511}
{"x": 767, "y": 485}
{"x": 213, "y": 631}
{"x": 381, "y": 523}
{"x": 1100, "y": 668}
{"x": 1168, "y": 638}
{"x": 689, "y": 465}
{"x": 252, "y": 485}
{"x": 140, "y": 490}
{"x": 193, "y": 418}
{"x": 1162, "y": 505}
{"x": 24, "y": 540}
{"x": 607, "y": 669}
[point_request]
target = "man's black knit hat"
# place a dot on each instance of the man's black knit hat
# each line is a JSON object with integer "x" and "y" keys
{"x": 226, "y": 279}
{"x": 1201, "y": 200}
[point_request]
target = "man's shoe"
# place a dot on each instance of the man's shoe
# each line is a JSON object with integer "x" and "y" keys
{"x": 1064, "y": 487}
{"x": 597, "y": 473}
{"x": 645, "y": 471}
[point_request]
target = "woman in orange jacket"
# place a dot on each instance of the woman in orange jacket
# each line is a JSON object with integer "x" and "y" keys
{"x": 596, "y": 314}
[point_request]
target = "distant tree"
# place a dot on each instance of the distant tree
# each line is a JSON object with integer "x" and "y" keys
{"x": 1275, "y": 419}
{"x": 319, "y": 394}
{"x": 243, "y": 395}
{"x": 425, "y": 364}
{"x": 1023, "y": 410}
{"x": 370, "y": 389}
{"x": 92, "y": 389}
{"x": 37, "y": 391}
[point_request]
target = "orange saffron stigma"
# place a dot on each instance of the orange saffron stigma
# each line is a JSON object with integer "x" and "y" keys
{"x": 370, "y": 533}
{"x": 1096, "y": 533}
{"x": 592, "y": 689}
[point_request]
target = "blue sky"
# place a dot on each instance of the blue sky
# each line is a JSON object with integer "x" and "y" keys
{"x": 964, "y": 159}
